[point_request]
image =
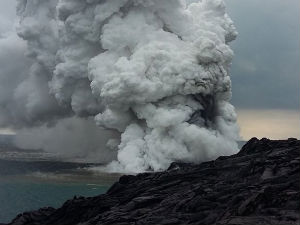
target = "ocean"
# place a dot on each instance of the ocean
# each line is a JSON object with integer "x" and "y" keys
{"x": 19, "y": 196}
{"x": 28, "y": 183}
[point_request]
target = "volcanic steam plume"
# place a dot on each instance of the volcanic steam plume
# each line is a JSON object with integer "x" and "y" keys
{"x": 154, "y": 70}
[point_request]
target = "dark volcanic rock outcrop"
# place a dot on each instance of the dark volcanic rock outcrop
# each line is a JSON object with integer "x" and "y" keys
{"x": 259, "y": 185}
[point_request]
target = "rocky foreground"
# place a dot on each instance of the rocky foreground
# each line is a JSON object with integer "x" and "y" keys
{"x": 259, "y": 185}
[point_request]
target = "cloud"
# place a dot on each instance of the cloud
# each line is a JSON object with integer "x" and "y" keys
{"x": 157, "y": 71}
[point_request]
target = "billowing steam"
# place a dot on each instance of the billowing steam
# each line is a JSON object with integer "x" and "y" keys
{"x": 156, "y": 71}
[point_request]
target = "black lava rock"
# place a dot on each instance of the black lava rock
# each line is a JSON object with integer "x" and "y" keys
{"x": 259, "y": 185}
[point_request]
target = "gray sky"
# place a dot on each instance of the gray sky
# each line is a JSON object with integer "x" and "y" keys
{"x": 265, "y": 71}
{"x": 7, "y": 14}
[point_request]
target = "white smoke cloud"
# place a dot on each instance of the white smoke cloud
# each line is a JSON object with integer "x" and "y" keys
{"x": 157, "y": 71}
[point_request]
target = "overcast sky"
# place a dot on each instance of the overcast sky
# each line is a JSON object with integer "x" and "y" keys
{"x": 7, "y": 14}
{"x": 265, "y": 71}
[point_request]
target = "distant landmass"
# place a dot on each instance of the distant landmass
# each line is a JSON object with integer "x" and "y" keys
{"x": 10, "y": 151}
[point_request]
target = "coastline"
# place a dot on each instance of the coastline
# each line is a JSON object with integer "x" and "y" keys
{"x": 258, "y": 185}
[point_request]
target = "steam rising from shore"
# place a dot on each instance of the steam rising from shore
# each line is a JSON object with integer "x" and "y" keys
{"x": 155, "y": 71}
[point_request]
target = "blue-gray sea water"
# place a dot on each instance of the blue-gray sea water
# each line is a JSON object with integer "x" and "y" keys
{"x": 27, "y": 185}
{"x": 19, "y": 196}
